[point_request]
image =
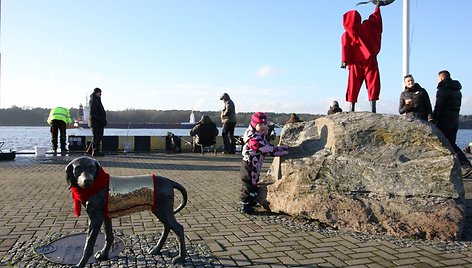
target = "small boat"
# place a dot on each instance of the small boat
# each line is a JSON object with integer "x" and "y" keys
{"x": 6, "y": 156}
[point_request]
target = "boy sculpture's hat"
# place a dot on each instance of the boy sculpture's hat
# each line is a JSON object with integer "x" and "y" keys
{"x": 96, "y": 90}
{"x": 258, "y": 118}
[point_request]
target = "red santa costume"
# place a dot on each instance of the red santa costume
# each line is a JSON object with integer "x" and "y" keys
{"x": 360, "y": 46}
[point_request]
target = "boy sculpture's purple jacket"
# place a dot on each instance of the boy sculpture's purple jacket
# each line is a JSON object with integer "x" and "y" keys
{"x": 361, "y": 40}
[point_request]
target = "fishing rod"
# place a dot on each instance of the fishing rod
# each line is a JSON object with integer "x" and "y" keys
{"x": 277, "y": 125}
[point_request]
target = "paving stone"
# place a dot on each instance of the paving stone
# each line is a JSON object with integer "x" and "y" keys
{"x": 363, "y": 255}
{"x": 318, "y": 255}
{"x": 358, "y": 262}
{"x": 384, "y": 255}
{"x": 451, "y": 262}
{"x": 380, "y": 262}
{"x": 408, "y": 255}
{"x": 429, "y": 261}
{"x": 288, "y": 261}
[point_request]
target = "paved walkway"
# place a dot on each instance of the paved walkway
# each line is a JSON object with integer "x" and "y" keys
{"x": 35, "y": 202}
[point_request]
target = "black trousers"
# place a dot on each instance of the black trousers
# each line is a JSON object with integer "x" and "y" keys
{"x": 56, "y": 127}
{"x": 248, "y": 191}
{"x": 97, "y": 137}
{"x": 228, "y": 137}
{"x": 451, "y": 136}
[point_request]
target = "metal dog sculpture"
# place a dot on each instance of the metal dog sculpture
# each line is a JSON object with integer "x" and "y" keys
{"x": 105, "y": 197}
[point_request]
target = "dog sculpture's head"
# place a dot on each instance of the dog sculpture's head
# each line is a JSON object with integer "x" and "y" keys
{"x": 81, "y": 172}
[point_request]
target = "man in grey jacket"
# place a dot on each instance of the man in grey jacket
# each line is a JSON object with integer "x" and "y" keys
{"x": 228, "y": 119}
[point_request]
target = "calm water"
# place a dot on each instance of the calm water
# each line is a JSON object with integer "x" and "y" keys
{"x": 26, "y": 138}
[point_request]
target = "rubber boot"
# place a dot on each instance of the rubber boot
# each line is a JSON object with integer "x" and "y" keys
{"x": 352, "y": 106}
{"x": 373, "y": 107}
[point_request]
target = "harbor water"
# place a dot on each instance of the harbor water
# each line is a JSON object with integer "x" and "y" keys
{"x": 27, "y": 138}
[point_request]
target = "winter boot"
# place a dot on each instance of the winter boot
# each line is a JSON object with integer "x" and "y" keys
{"x": 373, "y": 107}
{"x": 246, "y": 208}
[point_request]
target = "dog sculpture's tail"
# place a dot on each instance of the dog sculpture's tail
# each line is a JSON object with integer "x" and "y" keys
{"x": 183, "y": 191}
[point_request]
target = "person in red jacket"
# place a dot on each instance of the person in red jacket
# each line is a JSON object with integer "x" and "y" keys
{"x": 360, "y": 46}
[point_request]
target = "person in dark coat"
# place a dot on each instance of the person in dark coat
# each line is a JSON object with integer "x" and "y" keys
{"x": 334, "y": 108}
{"x": 228, "y": 119}
{"x": 204, "y": 133}
{"x": 293, "y": 119}
{"x": 446, "y": 115}
{"x": 414, "y": 100}
{"x": 97, "y": 121}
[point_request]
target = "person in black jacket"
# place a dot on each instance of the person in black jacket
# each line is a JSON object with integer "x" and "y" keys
{"x": 97, "y": 121}
{"x": 446, "y": 115}
{"x": 414, "y": 100}
{"x": 334, "y": 108}
{"x": 204, "y": 133}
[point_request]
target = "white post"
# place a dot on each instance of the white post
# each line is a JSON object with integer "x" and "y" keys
{"x": 406, "y": 37}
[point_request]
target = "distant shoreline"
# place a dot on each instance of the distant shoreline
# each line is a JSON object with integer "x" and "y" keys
{"x": 468, "y": 125}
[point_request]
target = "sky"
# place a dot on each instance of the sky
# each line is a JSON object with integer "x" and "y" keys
{"x": 279, "y": 56}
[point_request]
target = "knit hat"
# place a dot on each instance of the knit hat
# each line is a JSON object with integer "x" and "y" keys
{"x": 334, "y": 104}
{"x": 258, "y": 118}
{"x": 224, "y": 96}
{"x": 96, "y": 90}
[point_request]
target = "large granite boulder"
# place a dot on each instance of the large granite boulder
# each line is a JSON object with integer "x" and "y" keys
{"x": 371, "y": 173}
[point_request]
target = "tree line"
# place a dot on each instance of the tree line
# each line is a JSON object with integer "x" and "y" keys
{"x": 17, "y": 116}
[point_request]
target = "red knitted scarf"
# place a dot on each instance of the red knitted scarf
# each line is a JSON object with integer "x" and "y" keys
{"x": 102, "y": 179}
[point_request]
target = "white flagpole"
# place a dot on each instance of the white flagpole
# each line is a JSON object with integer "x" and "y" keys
{"x": 406, "y": 37}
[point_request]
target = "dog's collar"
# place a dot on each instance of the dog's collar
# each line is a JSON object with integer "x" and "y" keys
{"x": 79, "y": 195}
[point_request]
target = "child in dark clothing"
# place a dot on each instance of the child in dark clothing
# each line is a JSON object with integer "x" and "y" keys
{"x": 256, "y": 147}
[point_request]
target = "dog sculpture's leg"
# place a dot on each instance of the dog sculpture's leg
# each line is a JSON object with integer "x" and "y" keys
{"x": 157, "y": 249}
{"x": 109, "y": 238}
{"x": 93, "y": 230}
{"x": 170, "y": 223}
{"x": 95, "y": 208}
{"x": 179, "y": 231}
